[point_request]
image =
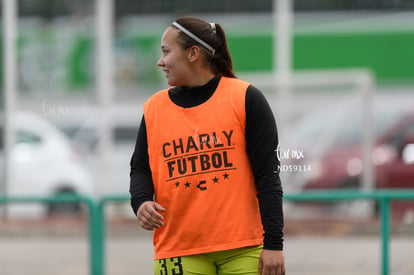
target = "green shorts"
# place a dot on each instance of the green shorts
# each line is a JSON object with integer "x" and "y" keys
{"x": 236, "y": 261}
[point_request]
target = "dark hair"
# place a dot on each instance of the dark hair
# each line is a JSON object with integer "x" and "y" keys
{"x": 220, "y": 60}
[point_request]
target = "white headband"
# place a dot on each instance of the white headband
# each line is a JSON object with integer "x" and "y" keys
{"x": 190, "y": 34}
{"x": 213, "y": 27}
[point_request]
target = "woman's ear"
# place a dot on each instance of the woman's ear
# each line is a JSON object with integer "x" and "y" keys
{"x": 194, "y": 53}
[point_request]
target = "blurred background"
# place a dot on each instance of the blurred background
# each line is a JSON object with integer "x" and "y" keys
{"x": 339, "y": 75}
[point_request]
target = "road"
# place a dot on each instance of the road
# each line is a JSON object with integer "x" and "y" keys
{"x": 132, "y": 255}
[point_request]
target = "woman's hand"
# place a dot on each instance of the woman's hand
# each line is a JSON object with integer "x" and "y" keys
{"x": 149, "y": 216}
{"x": 272, "y": 262}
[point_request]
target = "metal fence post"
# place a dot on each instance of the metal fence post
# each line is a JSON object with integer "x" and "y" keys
{"x": 385, "y": 233}
{"x": 96, "y": 238}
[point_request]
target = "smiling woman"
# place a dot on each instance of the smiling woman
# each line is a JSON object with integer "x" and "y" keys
{"x": 206, "y": 151}
{"x": 183, "y": 55}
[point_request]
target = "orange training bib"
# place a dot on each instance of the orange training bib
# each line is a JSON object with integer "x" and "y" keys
{"x": 201, "y": 173}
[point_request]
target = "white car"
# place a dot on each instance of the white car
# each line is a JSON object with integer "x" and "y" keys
{"x": 81, "y": 127}
{"x": 43, "y": 164}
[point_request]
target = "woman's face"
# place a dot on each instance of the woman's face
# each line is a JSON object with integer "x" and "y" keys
{"x": 174, "y": 60}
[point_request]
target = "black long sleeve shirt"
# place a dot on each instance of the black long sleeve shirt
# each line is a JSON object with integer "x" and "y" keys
{"x": 262, "y": 141}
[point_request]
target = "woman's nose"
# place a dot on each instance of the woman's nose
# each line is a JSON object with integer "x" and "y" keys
{"x": 160, "y": 62}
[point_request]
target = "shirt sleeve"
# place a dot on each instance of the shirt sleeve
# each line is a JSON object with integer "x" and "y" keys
{"x": 262, "y": 142}
{"x": 141, "y": 185}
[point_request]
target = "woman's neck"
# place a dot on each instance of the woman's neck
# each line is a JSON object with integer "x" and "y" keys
{"x": 200, "y": 77}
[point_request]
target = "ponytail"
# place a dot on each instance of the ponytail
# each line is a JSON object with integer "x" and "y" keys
{"x": 219, "y": 59}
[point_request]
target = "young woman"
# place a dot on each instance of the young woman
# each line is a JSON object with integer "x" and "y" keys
{"x": 204, "y": 171}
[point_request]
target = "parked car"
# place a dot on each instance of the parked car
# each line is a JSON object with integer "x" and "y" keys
{"x": 331, "y": 141}
{"x": 44, "y": 164}
{"x": 81, "y": 126}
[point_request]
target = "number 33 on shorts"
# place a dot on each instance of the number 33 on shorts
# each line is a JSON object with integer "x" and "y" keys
{"x": 171, "y": 266}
